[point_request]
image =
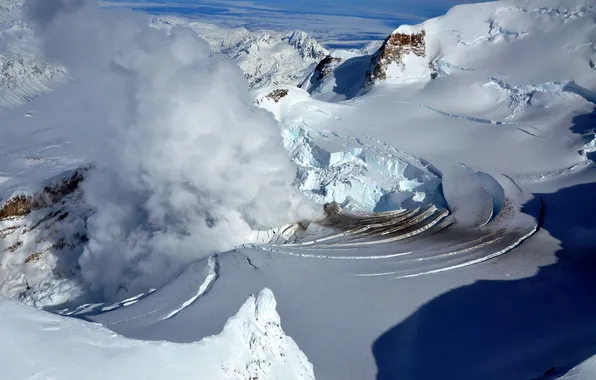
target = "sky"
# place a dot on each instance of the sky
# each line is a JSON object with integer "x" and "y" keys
{"x": 337, "y": 23}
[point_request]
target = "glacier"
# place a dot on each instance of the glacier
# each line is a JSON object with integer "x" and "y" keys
{"x": 445, "y": 178}
{"x": 359, "y": 173}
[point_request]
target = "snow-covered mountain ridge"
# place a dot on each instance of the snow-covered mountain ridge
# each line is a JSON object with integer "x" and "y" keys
{"x": 441, "y": 155}
{"x": 267, "y": 58}
{"x": 24, "y": 74}
{"x": 447, "y": 46}
{"x": 251, "y": 346}
{"x": 360, "y": 172}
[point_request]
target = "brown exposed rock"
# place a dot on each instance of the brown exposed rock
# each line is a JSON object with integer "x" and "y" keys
{"x": 276, "y": 95}
{"x": 73, "y": 242}
{"x": 15, "y": 207}
{"x": 395, "y": 47}
{"x": 34, "y": 257}
{"x": 22, "y": 205}
{"x": 8, "y": 231}
{"x": 15, "y": 246}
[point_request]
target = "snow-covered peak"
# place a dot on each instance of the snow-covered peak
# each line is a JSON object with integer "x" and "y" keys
{"x": 402, "y": 56}
{"x": 251, "y": 346}
{"x": 23, "y": 78}
{"x": 370, "y": 48}
{"x": 267, "y": 57}
{"x": 278, "y": 100}
{"x": 477, "y": 39}
{"x": 308, "y": 47}
{"x": 271, "y": 354}
{"x": 323, "y": 69}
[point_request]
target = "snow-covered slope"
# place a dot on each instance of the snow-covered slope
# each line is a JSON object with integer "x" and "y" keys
{"x": 360, "y": 173}
{"x": 455, "y": 164}
{"x": 251, "y": 346}
{"x": 494, "y": 33}
{"x": 516, "y": 31}
{"x": 584, "y": 371}
{"x": 23, "y": 73}
{"x": 339, "y": 76}
{"x": 267, "y": 58}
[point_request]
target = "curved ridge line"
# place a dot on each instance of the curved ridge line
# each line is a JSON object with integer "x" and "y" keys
{"x": 359, "y": 230}
{"x": 203, "y": 289}
{"x": 462, "y": 265}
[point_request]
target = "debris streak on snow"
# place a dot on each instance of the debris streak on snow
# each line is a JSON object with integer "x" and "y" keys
{"x": 430, "y": 239}
{"x": 209, "y": 280}
{"x": 90, "y": 309}
{"x": 480, "y": 259}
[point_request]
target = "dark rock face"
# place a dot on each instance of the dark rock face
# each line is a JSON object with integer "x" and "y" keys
{"x": 22, "y": 205}
{"x": 393, "y": 50}
{"x": 50, "y": 224}
{"x": 276, "y": 95}
{"x": 322, "y": 71}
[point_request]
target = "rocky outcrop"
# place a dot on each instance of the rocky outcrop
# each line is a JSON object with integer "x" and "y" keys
{"x": 277, "y": 95}
{"x": 321, "y": 71}
{"x": 22, "y": 205}
{"x": 42, "y": 235}
{"x": 14, "y": 71}
{"x": 394, "y": 53}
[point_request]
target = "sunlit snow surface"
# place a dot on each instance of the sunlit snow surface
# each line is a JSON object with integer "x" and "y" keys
{"x": 459, "y": 195}
{"x": 251, "y": 345}
{"x": 359, "y": 172}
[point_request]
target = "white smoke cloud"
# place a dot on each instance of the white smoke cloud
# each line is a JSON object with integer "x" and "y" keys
{"x": 185, "y": 165}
